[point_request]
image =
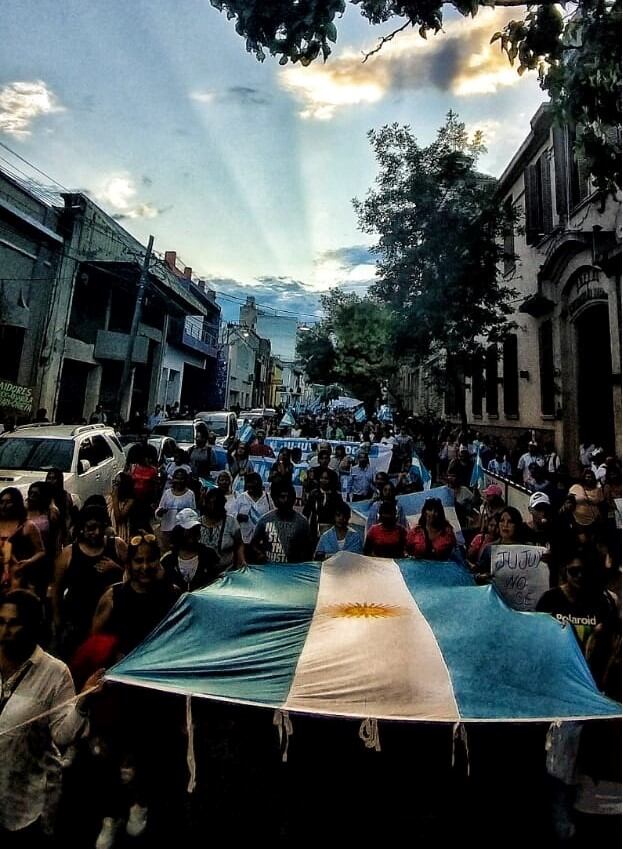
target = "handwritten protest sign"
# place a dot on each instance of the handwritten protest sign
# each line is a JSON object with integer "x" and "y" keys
{"x": 519, "y": 574}
{"x": 15, "y": 397}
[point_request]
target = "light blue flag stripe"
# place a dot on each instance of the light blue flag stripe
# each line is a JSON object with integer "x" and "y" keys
{"x": 238, "y": 640}
{"x": 476, "y": 631}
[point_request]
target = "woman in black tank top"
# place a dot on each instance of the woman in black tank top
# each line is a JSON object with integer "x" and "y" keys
{"x": 83, "y": 572}
{"x": 132, "y": 609}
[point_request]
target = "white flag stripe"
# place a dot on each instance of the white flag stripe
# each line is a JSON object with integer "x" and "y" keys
{"x": 368, "y": 637}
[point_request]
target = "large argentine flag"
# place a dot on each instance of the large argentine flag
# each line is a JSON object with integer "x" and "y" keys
{"x": 366, "y": 637}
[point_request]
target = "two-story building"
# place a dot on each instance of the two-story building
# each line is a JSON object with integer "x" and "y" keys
{"x": 559, "y": 372}
{"x": 190, "y": 362}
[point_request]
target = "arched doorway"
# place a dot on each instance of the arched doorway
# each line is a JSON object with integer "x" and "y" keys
{"x": 594, "y": 375}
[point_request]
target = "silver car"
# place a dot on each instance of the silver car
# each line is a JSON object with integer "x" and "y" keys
{"x": 88, "y": 455}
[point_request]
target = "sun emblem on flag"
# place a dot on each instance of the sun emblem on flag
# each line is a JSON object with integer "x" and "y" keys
{"x": 363, "y": 610}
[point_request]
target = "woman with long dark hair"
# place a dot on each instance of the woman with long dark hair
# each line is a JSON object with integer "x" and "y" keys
{"x": 432, "y": 538}
{"x": 220, "y": 531}
{"x": 511, "y": 531}
{"x": 22, "y": 551}
{"x": 63, "y": 502}
{"x": 82, "y": 573}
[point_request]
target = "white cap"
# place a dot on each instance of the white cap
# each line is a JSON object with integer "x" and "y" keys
{"x": 538, "y": 498}
{"x": 187, "y": 519}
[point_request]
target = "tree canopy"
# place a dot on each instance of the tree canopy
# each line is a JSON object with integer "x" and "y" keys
{"x": 351, "y": 345}
{"x": 577, "y": 56}
{"x": 440, "y": 242}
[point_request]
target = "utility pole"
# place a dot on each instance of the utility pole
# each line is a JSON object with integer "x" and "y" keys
{"x": 136, "y": 318}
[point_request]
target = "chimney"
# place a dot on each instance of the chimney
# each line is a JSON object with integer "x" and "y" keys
{"x": 188, "y": 273}
{"x": 170, "y": 257}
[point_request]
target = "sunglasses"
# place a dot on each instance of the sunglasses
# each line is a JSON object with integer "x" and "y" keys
{"x": 139, "y": 538}
{"x": 575, "y": 571}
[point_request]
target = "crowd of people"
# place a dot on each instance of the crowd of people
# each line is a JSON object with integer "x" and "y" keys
{"x": 82, "y": 585}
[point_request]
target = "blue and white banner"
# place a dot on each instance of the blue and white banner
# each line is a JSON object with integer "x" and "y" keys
{"x": 380, "y": 455}
{"x": 360, "y": 415}
{"x": 369, "y": 638}
{"x": 412, "y": 505}
{"x": 263, "y": 465}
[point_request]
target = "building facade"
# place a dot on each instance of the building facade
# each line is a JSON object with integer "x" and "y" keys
{"x": 70, "y": 277}
{"x": 559, "y": 372}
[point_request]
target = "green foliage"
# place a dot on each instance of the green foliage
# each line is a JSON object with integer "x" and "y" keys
{"x": 579, "y": 65}
{"x": 351, "y": 345}
{"x": 578, "y": 57}
{"x": 439, "y": 229}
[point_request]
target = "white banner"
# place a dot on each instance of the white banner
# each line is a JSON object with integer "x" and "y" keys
{"x": 519, "y": 574}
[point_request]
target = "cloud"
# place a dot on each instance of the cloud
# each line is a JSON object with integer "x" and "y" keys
{"x": 347, "y": 257}
{"x": 284, "y": 295}
{"x": 459, "y": 60}
{"x": 243, "y": 95}
{"x": 22, "y": 102}
{"x": 119, "y": 192}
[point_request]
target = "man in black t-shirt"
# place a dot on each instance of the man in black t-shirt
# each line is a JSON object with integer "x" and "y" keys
{"x": 283, "y": 535}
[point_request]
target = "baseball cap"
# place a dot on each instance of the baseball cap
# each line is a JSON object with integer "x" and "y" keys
{"x": 493, "y": 489}
{"x": 187, "y": 519}
{"x": 538, "y": 498}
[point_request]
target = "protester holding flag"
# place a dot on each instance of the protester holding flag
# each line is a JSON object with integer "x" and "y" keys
{"x": 249, "y": 507}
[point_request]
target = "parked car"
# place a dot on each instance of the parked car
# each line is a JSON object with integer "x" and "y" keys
{"x": 183, "y": 432}
{"x": 223, "y": 423}
{"x": 89, "y": 456}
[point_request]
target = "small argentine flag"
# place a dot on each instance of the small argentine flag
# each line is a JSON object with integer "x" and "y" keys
{"x": 423, "y": 471}
{"x": 247, "y": 434}
{"x": 360, "y": 415}
{"x": 371, "y": 638}
{"x": 385, "y": 414}
{"x": 287, "y": 420}
{"x": 478, "y": 473}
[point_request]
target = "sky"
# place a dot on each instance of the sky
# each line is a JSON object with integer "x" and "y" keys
{"x": 246, "y": 169}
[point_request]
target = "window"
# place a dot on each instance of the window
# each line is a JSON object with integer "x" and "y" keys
{"x": 491, "y": 372}
{"x": 546, "y": 367}
{"x": 573, "y": 182}
{"x": 511, "y": 378}
{"x": 35, "y": 455}
{"x": 509, "y": 237}
{"x": 478, "y": 386}
{"x": 101, "y": 450}
{"x": 538, "y": 199}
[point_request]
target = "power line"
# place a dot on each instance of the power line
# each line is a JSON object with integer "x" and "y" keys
{"x": 23, "y": 159}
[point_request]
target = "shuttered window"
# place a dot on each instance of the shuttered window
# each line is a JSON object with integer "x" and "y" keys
{"x": 478, "y": 385}
{"x": 546, "y": 368}
{"x": 538, "y": 199}
{"x": 511, "y": 377}
{"x": 491, "y": 372}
